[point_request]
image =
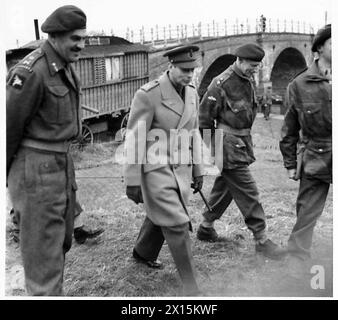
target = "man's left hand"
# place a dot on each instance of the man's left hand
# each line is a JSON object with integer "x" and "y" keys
{"x": 197, "y": 183}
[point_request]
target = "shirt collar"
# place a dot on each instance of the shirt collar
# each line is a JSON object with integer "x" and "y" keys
{"x": 55, "y": 62}
{"x": 177, "y": 87}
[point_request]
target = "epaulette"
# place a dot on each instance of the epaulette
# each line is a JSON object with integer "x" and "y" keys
{"x": 298, "y": 74}
{"x": 150, "y": 85}
{"x": 28, "y": 61}
{"x": 219, "y": 80}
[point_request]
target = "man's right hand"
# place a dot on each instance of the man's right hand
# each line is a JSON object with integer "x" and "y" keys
{"x": 292, "y": 174}
{"x": 135, "y": 193}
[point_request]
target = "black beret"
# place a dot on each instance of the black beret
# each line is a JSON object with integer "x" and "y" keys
{"x": 250, "y": 51}
{"x": 183, "y": 56}
{"x": 65, "y": 18}
{"x": 322, "y": 35}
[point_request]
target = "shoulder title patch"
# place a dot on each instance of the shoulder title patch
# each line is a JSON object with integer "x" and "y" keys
{"x": 211, "y": 98}
{"x": 17, "y": 81}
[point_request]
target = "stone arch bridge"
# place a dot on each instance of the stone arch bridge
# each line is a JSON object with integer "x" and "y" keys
{"x": 286, "y": 55}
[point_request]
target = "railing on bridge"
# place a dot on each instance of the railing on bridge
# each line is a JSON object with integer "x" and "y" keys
{"x": 163, "y": 35}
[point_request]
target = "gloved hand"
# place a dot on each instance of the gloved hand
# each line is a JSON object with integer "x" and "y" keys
{"x": 292, "y": 174}
{"x": 197, "y": 183}
{"x": 134, "y": 193}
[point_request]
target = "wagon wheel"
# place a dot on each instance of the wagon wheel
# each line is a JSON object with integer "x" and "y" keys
{"x": 86, "y": 139}
{"x": 123, "y": 126}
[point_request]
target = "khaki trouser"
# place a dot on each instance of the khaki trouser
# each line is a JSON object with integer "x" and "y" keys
{"x": 42, "y": 189}
{"x": 238, "y": 185}
{"x": 310, "y": 204}
{"x": 150, "y": 241}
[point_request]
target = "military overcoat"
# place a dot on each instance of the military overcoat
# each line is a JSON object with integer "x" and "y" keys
{"x": 164, "y": 165}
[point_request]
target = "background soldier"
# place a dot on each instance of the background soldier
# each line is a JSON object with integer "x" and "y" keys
{"x": 231, "y": 102}
{"x": 169, "y": 104}
{"x": 267, "y": 102}
{"x": 309, "y": 115}
{"x": 43, "y": 116}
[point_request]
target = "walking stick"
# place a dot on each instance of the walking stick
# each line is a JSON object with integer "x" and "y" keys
{"x": 204, "y": 199}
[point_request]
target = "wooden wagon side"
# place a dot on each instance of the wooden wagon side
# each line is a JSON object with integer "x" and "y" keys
{"x": 110, "y": 75}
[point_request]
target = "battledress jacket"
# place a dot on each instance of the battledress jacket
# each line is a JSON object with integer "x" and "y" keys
{"x": 231, "y": 100}
{"x": 158, "y": 110}
{"x": 42, "y": 101}
{"x": 309, "y": 116}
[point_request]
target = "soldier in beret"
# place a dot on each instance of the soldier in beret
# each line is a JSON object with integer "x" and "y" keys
{"x": 306, "y": 146}
{"x": 167, "y": 108}
{"x": 43, "y": 116}
{"x": 230, "y": 102}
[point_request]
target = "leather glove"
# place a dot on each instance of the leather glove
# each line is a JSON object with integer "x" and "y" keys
{"x": 197, "y": 183}
{"x": 134, "y": 193}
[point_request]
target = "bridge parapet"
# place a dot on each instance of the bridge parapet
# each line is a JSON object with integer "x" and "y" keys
{"x": 162, "y": 36}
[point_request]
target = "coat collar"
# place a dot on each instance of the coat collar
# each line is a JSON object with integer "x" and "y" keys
{"x": 313, "y": 73}
{"x": 190, "y": 106}
{"x": 170, "y": 97}
{"x": 56, "y": 64}
{"x": 172, "y": 100}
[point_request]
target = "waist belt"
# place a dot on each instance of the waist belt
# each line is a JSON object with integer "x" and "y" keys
{"x": 237, "y": 132}
{"x": 318, "y": 140}
{"x": 62, "y": 146}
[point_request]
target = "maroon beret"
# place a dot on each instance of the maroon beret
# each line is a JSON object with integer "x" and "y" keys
{"x": 322, "y": 35}
{"x": 183, "y": 56}
{"x": 250, "y": 51}
{"x": 65, "y": 18}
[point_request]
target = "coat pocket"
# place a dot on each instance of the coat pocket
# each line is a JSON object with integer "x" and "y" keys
{"x": 312, "y": 114}
{"x": 238, "y": 106}
{"x": 317, "y": 161}
{"x": 235, "y": 150}
{"x": 52, "y": 169}
{"x": 57, "y": 107}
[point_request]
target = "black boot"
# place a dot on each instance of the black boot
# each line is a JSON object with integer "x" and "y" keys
{"x": 207, "y": 234}
{"x": 83, "y": 233}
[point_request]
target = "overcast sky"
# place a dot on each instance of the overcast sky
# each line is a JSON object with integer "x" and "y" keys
{"x": 113, "y": 15}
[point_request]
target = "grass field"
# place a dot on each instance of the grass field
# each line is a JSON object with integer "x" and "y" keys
{"x": 228, "y": 268}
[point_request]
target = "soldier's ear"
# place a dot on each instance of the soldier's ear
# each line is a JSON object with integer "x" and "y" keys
{"x": 320, "y": 48}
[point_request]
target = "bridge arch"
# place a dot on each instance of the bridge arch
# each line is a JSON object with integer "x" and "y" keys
{"x": 288, "y": 63}
{"x": 214, "y": 69}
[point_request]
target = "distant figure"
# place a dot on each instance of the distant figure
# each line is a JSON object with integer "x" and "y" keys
{"x": 267, "y": 102}
{"x": 308, "y": 125}
{"x": 263, "y": 23}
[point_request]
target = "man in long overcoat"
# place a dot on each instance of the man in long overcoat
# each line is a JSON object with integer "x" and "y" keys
{"x": 162, "y": 129}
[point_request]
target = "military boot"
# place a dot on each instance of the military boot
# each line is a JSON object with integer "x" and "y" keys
{"x": 270, "y": 250}
{"x": 207, "y": 234}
